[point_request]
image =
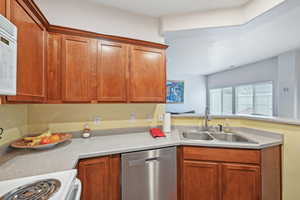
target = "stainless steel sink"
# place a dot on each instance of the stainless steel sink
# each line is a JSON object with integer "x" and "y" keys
{"x": 209, "y": 136}
{"x": 197, "y": 136}
{"x": 231, "y": 137}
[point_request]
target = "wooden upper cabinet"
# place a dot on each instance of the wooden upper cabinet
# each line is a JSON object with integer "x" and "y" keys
{"x": 240, "y": 182}
{"x": 54, "y": 68}
{"x": 86, "y": 70}
{"x": 79, "y": 67}
{"x": 200, "y": 181}
{"x": 31, "y": 50}
{"x": 112, "y": 67}
{"x": 79, "y": 60}
{"x": 147, "y": 75}
{"x": 3, "y": 7}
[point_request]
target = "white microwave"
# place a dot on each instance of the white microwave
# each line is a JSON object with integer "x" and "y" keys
{"x": 8, "y": 57}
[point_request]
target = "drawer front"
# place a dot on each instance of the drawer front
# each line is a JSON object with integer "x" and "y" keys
{"x": 222, "y": 155}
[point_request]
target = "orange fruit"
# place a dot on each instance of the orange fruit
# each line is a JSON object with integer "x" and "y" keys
{"x": 54, "y": 138}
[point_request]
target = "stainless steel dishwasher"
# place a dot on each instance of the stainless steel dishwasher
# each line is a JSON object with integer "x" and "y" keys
{"x": 149, "y": 175}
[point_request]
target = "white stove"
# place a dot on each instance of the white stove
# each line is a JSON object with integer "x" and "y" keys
{"x": 55, "y": 186}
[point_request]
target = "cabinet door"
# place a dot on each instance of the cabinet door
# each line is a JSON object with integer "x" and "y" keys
{"x": 54, "y": 68}
{"x": 31, "y": 50}
{"x": 240, "y": 182}
{"x": 147, "y": 75}
{"x": 94, "y": 175}
{"x": 112, "y": 71}
{"x": 115, "y": 177}
{"x": 79, "y": 59}
{"x": 200, "y": 181}
{"x": 3, "y": 7}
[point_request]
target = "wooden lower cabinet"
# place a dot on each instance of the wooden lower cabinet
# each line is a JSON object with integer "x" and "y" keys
{"x": 209, "y": 179}
{"x": 206, "y": 174}
{"x": 240, "y": 182}
{"x": 100, "y": 178}
{"x": 201, "y": 180}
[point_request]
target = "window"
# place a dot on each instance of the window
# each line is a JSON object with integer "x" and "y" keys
{"x": 263, "y": 102}
{"x": 221, "y": 101}
{"x": 244, "y": 99}
{"x": 215, "y": 101}
{"x": 252, "y": 99}
{"x": 255, "y": 99}
{"x": 227, "y": 101}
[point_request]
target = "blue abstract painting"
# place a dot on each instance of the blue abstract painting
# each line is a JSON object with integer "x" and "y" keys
{"x": 175, "y": 91}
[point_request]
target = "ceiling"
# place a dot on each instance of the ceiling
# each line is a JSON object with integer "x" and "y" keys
{"x": 206, "y": 51}
{"x": 158, "y": 8}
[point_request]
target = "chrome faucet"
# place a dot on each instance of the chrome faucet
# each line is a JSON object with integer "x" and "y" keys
{"x": 206, "y": 118}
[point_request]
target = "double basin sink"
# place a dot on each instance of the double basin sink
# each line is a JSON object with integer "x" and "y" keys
{"x": 220, "y": 136}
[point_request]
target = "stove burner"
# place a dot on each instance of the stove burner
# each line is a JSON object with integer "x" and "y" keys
{"x": 40, "y": 190}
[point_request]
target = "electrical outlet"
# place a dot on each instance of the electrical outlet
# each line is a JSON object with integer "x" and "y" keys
{"x": 97, "y": 120}
{"x": 133, "y": 117}
{"x": 149, "y": 117}
{"x": 161, "y": 117}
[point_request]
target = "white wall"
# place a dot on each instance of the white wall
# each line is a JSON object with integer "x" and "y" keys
{"x": 206, "y": 51}
{"x": 194, "y": 93}
{"x": 288, "y": 84}
{"x": 90, "y": 16}
{"x": 218, "y": 17}
{"x": 265, "y": 70}
{"x": 297, "y": 75}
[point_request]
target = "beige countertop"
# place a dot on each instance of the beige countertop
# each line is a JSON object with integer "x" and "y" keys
{"x": 65, "y": 156}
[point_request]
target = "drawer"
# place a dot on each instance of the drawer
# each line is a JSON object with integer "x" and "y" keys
{"x": 222, "y": 155}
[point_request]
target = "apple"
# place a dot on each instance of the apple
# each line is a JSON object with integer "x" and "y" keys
{"x": 45, "y": 140}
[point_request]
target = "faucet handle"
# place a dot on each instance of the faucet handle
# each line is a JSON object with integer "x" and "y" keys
{"x": 1, "y": 132}
{"x": 220, "y": 127}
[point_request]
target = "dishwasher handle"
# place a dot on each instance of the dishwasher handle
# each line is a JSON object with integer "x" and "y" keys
{"x": 155, "y": 159}
{"x": 142, "y": 161}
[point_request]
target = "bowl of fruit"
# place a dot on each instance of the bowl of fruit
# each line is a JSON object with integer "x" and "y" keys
{"x": 45, "y": 140}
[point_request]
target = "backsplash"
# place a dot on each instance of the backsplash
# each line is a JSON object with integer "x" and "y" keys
{"x": 63, "y": 118}
{"x": 14, "y": 120}
{"x": 51, "y": 113}
{"x": 19, "y": 120}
